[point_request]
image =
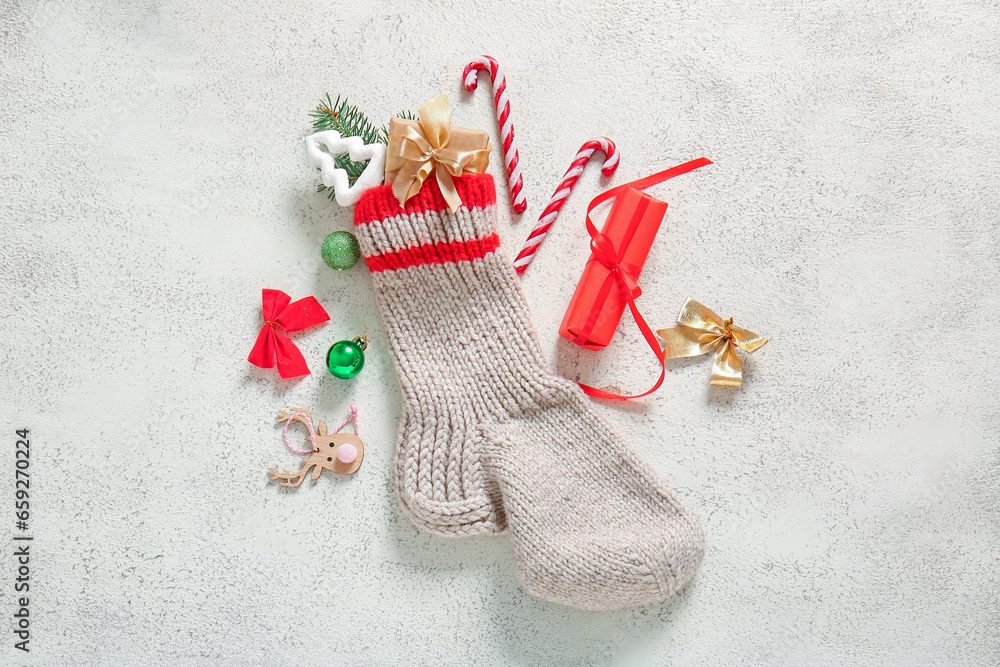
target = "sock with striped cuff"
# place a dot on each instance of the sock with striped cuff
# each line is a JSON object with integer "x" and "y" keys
{"x": 489, "y": 440}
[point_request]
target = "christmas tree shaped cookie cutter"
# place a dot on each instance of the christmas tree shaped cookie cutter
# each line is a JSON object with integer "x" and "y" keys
{"x": 336, "y": 178}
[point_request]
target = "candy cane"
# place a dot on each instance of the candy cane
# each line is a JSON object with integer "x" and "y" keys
{"x": 510, "y": 155}
{"x": 562, "y": 192}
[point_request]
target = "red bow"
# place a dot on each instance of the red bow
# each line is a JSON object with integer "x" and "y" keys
{"x": 271, "y": 345}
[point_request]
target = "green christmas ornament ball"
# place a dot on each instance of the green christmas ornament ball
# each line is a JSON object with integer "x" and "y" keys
{"x": 346, "y": 358}
{"x": 340, "y": 250}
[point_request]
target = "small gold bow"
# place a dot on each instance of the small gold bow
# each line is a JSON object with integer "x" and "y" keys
{"x": 416, "y": 155}
{"x": 702, "y": 331}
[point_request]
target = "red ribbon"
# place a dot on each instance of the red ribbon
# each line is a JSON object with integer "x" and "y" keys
{"x": 280, "y": 313}
{"x": 603, "y": 251}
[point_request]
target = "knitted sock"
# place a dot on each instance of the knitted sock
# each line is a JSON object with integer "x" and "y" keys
{"x": 489, "y": 440}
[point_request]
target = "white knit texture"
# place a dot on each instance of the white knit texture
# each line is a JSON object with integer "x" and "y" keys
{"x": 491, "y": 442}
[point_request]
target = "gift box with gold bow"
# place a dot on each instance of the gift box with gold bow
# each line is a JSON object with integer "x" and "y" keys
{"x": 419, "y": 148}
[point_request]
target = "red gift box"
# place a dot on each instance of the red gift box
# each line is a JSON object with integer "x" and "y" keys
{"x": 598, "y": 303}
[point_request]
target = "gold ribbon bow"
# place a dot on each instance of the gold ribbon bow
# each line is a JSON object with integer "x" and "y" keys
{"x": 416, "y": 155}
{"x": 702, "y": 331}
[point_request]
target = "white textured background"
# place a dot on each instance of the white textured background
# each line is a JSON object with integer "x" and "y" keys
{"x": 154, "y": 180}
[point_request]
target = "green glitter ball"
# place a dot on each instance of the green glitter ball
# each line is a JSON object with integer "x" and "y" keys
{"x": 340, "y": 250}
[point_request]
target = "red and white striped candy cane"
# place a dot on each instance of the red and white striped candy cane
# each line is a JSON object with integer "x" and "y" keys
{"x": 562, "y": 192}
{"x": 510, "y": 155}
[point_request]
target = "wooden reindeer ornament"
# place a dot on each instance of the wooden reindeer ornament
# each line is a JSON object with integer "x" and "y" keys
{"x": 341, "y": 453}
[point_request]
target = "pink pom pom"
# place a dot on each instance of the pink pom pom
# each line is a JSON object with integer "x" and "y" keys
{"x": 347, "y": 452}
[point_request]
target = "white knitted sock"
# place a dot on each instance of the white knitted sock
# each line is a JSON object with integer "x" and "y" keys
{"x": 489, "y": 440}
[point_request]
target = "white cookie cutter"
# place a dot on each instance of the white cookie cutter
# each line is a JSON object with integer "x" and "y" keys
{"x": 371, "y": 177}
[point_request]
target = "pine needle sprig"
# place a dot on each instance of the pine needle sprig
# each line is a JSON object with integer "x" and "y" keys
{"x": 349, "y": 121}
{"x": 346, "y": 119}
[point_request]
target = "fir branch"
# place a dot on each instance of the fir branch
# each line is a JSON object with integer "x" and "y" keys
{"x": 346, "y": 119}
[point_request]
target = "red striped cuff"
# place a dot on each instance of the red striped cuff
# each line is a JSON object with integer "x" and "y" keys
{"x": 476, "y": 191}
{"x": 425, "y": 231}
{"x": 434, "y": 253}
